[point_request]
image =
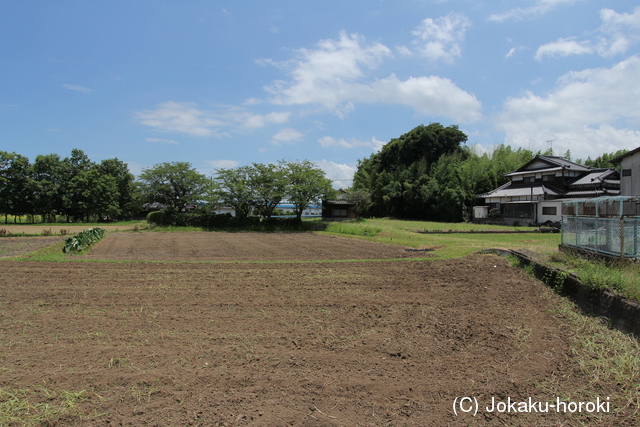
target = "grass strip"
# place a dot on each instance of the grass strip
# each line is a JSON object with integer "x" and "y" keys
{"x": 608, "y": 357}
{"x": 622, "y": 279}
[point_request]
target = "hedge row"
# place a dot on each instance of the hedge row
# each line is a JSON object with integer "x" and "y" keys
{"x": 219, "y": 221}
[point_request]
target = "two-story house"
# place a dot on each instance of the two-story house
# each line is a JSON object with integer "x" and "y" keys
{"x": 535, "y": 191}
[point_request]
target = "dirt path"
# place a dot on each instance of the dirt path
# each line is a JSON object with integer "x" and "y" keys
{"x": 332, "y": 344}
{"x": 55, "y": 229}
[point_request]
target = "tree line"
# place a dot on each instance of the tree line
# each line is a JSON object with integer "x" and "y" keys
{"x": 428, "y": 174}
{"x": 251, "y": 190}
{"x": 74, "y": 187}
{"x": 78, "y": 189}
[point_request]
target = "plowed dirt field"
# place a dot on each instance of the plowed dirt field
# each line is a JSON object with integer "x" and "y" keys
{"x": 386, "y": 343}
{"x": 210, "y": 246}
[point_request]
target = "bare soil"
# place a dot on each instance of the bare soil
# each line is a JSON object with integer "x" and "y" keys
{"x": 14, "y": 246}
{"x": 387, "y": 343}
{"x": 214, "y": 246}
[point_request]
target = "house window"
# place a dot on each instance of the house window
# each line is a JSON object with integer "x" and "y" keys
{"x": 518, "y": 210}
{"x": 548, "y": 177}
{"x": 626, "y": 172}
{"x": 529, "y": 179}
{"x": 549, "y": 210}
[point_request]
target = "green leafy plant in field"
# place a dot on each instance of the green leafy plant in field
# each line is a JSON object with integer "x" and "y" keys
{"x": 83, "y": 240}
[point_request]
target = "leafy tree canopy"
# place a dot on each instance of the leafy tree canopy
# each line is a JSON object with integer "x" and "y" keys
{"x": 173, "y": 184}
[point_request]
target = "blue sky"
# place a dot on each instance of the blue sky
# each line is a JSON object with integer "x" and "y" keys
{"x": 228, "y": 83}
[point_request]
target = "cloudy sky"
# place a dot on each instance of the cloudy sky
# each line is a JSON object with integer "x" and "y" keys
{"x": 226, "y": 83}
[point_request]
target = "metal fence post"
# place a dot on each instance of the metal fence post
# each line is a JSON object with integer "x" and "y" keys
{"x": 622, "y": 237}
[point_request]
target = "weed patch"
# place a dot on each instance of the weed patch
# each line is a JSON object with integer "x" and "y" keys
{"x": 42, "y": 407}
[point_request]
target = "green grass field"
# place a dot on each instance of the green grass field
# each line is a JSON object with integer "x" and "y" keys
{"x": 449, "y": 245}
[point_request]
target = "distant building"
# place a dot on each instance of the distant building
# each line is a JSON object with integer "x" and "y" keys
{"x": 536, "y": 190}
{"x": 290, "y": 209}
{"x": 629, "y": 172}
{"x": 338, "y": 209}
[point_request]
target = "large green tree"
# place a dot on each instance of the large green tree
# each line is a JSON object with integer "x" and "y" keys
{"x": 15, "y": 172}
{"x": 307, "y": 184}
{"x": 428, "y": 174}
{"x": 47, "y": 186}
{"x": 233, "y": 187}
{"x": 128, "y": 198}
{"x": 268, "y": 184}
{"x": 395, "y": 177}
{"x": 77, "y": 185}
{"x": 173, "y": 184}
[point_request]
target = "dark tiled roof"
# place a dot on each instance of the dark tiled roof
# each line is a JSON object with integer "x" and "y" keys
{"x": 554, "y": 162}
{"x": 339, "y": 202}
{"x": 509, "y": 190}
{"x": 592, "y": 193}
{"x": 594, "y": 178}
{"x": 560, "y": 161}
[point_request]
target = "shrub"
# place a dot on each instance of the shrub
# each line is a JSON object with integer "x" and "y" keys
{"x": 83, "y": 240}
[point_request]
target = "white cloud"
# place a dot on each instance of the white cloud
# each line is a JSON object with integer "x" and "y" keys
{"x": 329, "y": 141}
{"x": 258, "y": 121}
{"x": 157, "y": 140}
{"x": 286, "y": 135}
{"x": 439, "y": 39}
{"x": 187, "y": 118}
{"x": 328, "y": 75}
{"x": 341, "y": 174}
{"x": 78, "y": 88}
{"x": 222, "y": 164}
{"x": 404, "y": 51}
{"x": 335, "y": 77}
{"x": 594, "y": 109}
{"x": 432, "y": 96}
{"x": 181, "y": 117}
{"x": 563, "y": 47}
{"x": 540, "y": 7}
{"x": 617, "y": 33}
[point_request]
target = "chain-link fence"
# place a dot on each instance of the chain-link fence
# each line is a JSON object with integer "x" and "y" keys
{"x": 608, "y": 225}
{"x": 612, "y": 236}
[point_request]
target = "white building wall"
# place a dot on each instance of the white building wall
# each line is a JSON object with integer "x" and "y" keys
{"x": 481, "y": 212}
{"x": 630, "y": 185}
{"x": 550, "y": 205}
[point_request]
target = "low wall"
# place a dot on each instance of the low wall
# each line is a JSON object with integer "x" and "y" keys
{"x": 623, "y": 313}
